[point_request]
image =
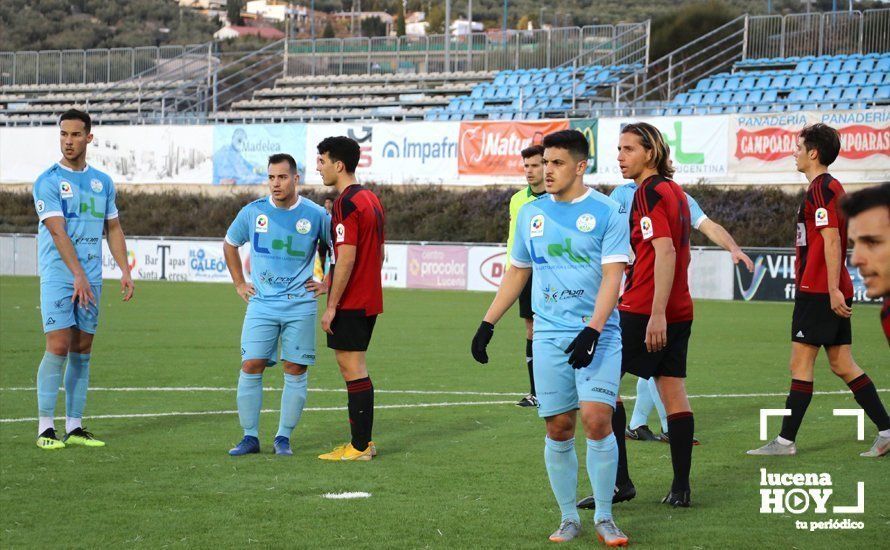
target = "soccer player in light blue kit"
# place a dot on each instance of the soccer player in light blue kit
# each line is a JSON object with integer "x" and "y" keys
{"x": 577, "y": 245}
{"x": 647, "y": 393}
{"x": 284, "y": 231}
{"x": 74, "y": 203}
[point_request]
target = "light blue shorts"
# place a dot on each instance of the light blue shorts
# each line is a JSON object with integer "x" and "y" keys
{"x": 59, "y": 312}
{"x": 264, "y": 326}
{"x": 560, "y": 388}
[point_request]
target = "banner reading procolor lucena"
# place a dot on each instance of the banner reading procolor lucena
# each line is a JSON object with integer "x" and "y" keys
{"x": 241, "y": 151}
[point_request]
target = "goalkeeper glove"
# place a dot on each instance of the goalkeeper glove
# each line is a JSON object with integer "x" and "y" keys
{"x": 583, "y": 347}
{"x": 480, "y": 342}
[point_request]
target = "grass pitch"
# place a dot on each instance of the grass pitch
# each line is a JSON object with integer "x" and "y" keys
{"x": 459, "y": 465}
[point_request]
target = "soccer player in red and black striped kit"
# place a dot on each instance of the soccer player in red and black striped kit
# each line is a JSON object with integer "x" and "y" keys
{"x": 868, "y": 212}
{"x": 656, "y": 307}
{"x": 355, "y": 297}
{"x": 824, "y": 297}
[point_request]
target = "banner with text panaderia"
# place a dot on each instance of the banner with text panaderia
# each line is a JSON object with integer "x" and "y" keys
{"x": 241, "y": 151}
{"x": 765, "y": 144}
{"x": 492, "y": 148}
{"x": 698, "y": 147}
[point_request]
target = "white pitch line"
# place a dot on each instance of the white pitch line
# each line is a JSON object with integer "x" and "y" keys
{"x": 233, "y": 388}
{"x": 314, "y": 409}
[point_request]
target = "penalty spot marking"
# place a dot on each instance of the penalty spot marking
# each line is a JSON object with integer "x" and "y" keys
{"x": 346, "y": 496}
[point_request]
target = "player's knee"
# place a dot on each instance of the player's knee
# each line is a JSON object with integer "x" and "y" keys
{"x": 253, "y": 366}
{"x": 293, "y": 368}
{"x": 599, "y": 428}
{"x": 560, "y": 428}
{"x": 58, "y": 343}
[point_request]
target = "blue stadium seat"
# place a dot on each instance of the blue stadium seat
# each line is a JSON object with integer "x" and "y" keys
{"x": 876, "y": 79}
{"x": 834, "y": 94}
{"x": 554, "y": 90}
{"x": 754, "y": 97}
{"x": 512, "y": 80}
{"x": 524, "y": 79}
{"x": 763, "y": 83}
{"x": 850, "y": 94}
{"x": 723, "y": 98}
{"x": 798, "y": 96}
{"x": 456, "y": 116}
{"x": 478, "y": 90}
{"x": 817, "y": 67}
{"x": 803, "y": 67}
{"x": 453, "y": 105}
{"x": 810, "y": 81}
{"x": 850, "y": 66}
{"x": 703, "y": 85}
{"x": 859, "y": 79}
{"x": 748, "y": 83}
{"x": 478, "y": 106}
{"x": 490, "y": 92}
{"x": 778, "y": 82}
{"x": 533, "y": 115}
{"x": 817, "y": 95}
{"x": 680, "y": 99}
{"x": 503, "y": 92}
{"x": 770, "y": 96}
{"x": 500, "y": 78}
{"x": 883, "y": 65}
{"x": 826, "y": 80}
{"x": 732, "y": 84}
{"x": 883, "y": 93}
{"x": 603, "y": 75}
{"x": 795, "y": 107}
{"x": 763, "y": 108}
{"x": 866, "y": 65}
{"x": 738, "y": 98}
{"x": 867, "y": 93}
{"x": 527, "y": 90}
{"x": 717, "y": 85}
{"x": 694, "y": 99}
{"x": 795, "y": 81}
{"x": 550, "y": 78}
{"x": 709, "y": 99}
{"x": 834, "y": 66}
{"x": 842, "y": 80}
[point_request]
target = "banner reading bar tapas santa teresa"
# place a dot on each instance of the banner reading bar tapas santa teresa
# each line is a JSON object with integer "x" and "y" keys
{"x": 492, "y": 148}
{"x": 766, "y": 143}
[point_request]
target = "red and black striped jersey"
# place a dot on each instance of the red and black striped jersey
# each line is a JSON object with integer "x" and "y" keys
{"x": 885, "y": 318}
{"x": 659, "y": 209}
{"x": 820, "y": 211}
{"x": 358, "y": 220}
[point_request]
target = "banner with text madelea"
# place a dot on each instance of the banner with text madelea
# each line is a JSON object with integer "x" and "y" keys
{"x": 241, "y": 151}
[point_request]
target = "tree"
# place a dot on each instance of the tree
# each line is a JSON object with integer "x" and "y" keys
{"x": 233, "y": 10}
{"x": 400, "y": 21}
{"x": 328, "y": 30}
{"x": 436, "y": 18}
{"x": 373, "y": 26}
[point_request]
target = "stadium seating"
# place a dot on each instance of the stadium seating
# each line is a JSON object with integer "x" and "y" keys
{"x": 533, "y": 94}
{"x": 858, "y": 81}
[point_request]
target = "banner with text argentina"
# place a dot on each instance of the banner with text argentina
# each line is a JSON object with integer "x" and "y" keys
{"x": 765, "y": 144}
{"x": 492, "y": 148}
{"x": 415, "y": 152}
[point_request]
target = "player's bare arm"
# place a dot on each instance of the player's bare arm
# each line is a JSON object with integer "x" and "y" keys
{"x": 718, "y": 235}
{"x": 83, "y": 295}
{"x": 117, "y": 244}
{"x": 607, "y": 296}
{"x": 511, "y": 287}
{"x": 233, "y": 263}
{"x": 342, "y": 273}
{"x": 832, "y": 242}
{"x": 665, "y": 264}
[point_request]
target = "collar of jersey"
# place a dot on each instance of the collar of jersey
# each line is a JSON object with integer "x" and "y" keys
{"x": 63, "y": 167}
{"x": 579, "y": 199}
{"x": 296, "y": 204}
{"x": 530, "y": 193}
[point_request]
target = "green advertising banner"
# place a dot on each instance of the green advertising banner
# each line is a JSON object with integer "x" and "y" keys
{"x": 587, "y": 126}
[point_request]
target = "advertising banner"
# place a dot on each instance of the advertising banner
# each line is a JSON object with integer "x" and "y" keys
{"x": 773, "y": 277}
{"x": 25, "y": 153}
{"x": 362, "y": 133}
{"x": 395, "y": 266}
{"x": 587, "y": 126}
{"x": 241, "y": 151}
{"x": 492, "y": 148}
{"x": 485, "y": 267}
{"x": 415, "y": 152}
{"x": 439, "y": 267}
{"x": 698, "y": 146}
{"x": 766, "y": 143}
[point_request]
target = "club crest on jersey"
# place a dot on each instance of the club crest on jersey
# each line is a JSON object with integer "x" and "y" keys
{"x": 646, "y": 227}
{"x": 40, "y": 206}
{"x": 821, "y": 217}
{"x": 341, "y": 233}
{"x": 585, "y": 223}
{"x": 96, "y": 186}
{"x": 65, "y": 190}
{"x": 537, "y": 226}
{"x": 303, "y": 226}
{"x": 262, "y": 223}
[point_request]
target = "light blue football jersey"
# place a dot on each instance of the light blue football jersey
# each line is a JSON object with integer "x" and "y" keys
{"x": 283, "y": 244}
{"x": 624, "y": 196}
{"x": 566, "y": 245}
{"x": 85, "y": 199}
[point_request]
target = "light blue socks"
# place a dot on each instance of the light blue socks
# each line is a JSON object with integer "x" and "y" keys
{"x": 293, "y": 398}
{"x": 659, "y": 405}
{"x": 562, "y": 468}
{"x": 49, "y": 378}
{"x": 602, "y": 467}
{"x": 77, "y": 381}
{"x": 647, "y": 397}
{"x": 250, "y": 401}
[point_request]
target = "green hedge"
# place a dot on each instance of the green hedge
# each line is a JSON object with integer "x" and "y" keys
{"x": 755, "y": 216}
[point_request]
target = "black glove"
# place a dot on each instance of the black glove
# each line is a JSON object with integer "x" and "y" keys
{"x": 583, "y": 347}
{"x": 480, "y": 342}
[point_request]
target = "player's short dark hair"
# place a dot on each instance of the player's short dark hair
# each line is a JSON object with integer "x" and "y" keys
{"x": 571, "y": 140}
{"x": 824, "y": 139}
{"x": 343, "y": 149}
{"x": 74, "y": 114}
{"x": 652, "y": 140}
{"x": 532, "y": 151}
{"x": 866, "y": 199}
{"x": 284, "y": 157}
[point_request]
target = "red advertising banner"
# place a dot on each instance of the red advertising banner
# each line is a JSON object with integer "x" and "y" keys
{"x": 492, "y": 148}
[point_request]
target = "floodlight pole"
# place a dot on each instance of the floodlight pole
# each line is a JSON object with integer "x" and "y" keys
{"x": 447, "y": 36}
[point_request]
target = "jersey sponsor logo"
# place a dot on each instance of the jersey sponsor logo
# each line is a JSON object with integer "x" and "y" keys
{"x": 303, "y": 226}
{"x": 341, "y": 233}
{"x": 559, "y": 250}
{"x": 553, "y": 295}
{"x": 537, "y": 227}
{"x": 646, "y": 227}
{"x": 821, "y": 217}
{"x": 96, "y": 186}
{"x": 801, "y": 239}
{"x": 262, "y": 224}
{"x": 90, "y": 208}
{"x": 50, "y": 321}
{"x": 41, "y": 206}
{"x": 65, "y": 190}
{"x": 585, "y": 223}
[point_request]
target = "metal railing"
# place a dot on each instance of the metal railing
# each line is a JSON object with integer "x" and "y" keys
{"x": 87, "y": 66}
{"x": 476, "y": 52}
{"x": 829, "y": 33}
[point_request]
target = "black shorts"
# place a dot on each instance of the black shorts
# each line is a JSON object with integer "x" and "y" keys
{"x": 525, "y": 301}
{"x": 814, "y": 323}
{"x": 671, "y": 361}
{"x": 352, "y": 330}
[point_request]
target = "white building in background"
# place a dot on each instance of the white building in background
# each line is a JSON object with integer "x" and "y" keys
{"x": 461, "y": 27}
{"x": 203, "y": 4}
{"x": 272, "y": 11}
